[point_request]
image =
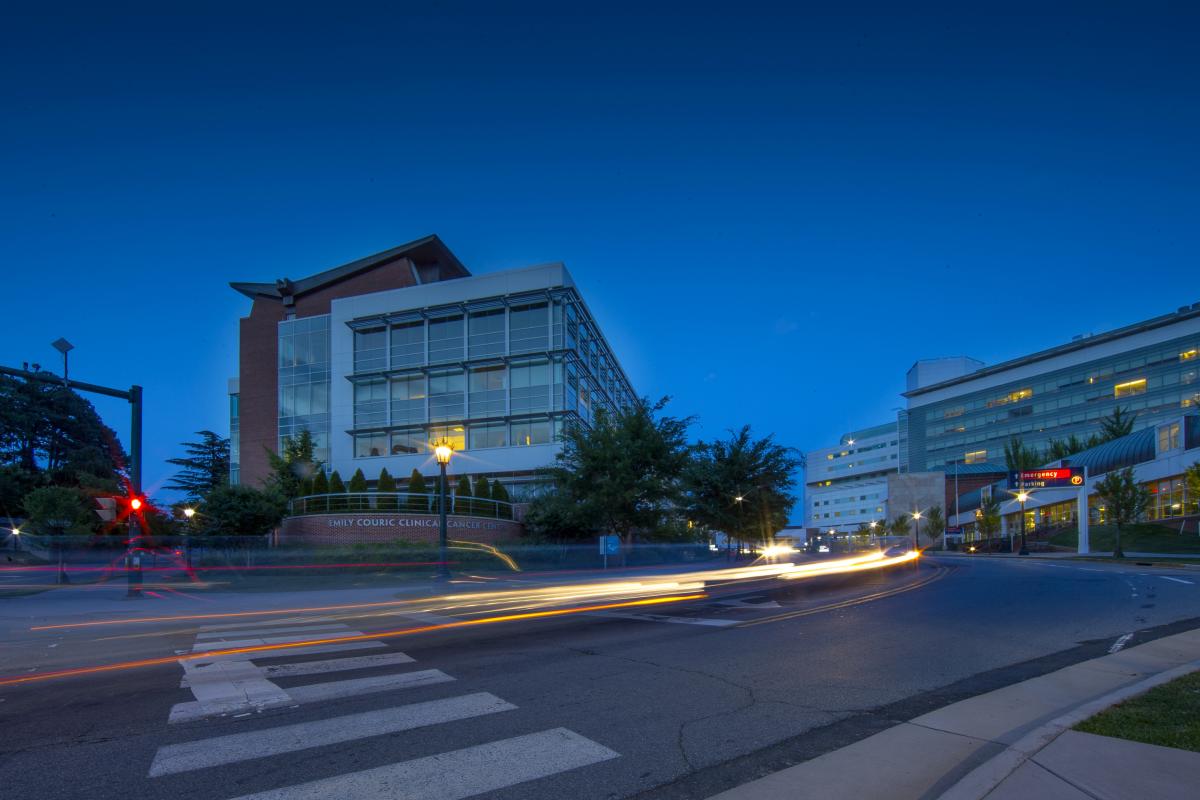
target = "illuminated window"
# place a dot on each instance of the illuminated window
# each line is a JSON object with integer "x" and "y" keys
{"x": 951, "y": 412}
{"x": 1012, "y": 397}
{"x": 830, "y": 456}
{"x": 975, "y": 457}
{"x": 1130, "y": 388}
{"x": 453, "y": 435}
{"x": 1168, "y": 437}
{"x": 1188, "y": 355}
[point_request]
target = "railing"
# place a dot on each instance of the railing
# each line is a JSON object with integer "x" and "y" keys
{"x": 400, "y": 502}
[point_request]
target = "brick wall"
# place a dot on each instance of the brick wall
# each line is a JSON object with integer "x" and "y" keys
{"x": 352, "y": 528}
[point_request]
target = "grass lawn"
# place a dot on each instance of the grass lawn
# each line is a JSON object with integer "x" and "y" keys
{"x": 1144, "y": 537}
{"x": 1168, "y": 715}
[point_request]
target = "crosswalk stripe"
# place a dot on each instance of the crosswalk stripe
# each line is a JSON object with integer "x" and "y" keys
{"x": 456, "y": 774}
{"x": 319, "y": 667}
{"x": 1177, "y": 580}
{"x": 295, "y": 651}
{"x": 234, "y": 626}
{"x": 236, "y": 747}
{"x": 329, "y": 626}
{"x": 716, "y": 623}
{"x": 200, "y": 647}
{"x": 259, "y": 697}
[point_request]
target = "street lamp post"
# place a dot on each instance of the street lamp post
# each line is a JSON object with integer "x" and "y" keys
{"x": 1022, "y": 496}
{"x": 190, "y": 513}
{"x": 916, "y": 515}
{"x": 442, "y": 452}
{"x": 16, "y": 532}
{"x": 739, "y": 500}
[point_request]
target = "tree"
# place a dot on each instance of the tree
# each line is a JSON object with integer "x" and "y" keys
{"x": 624, "y": 471}
{"x": 336, "y": 487}
{"x": 320, "y": 486}
{"x": 500, "y": 495}
{"x": 385, "y": 489}
{"x": 1018, "y": 457}
{"x": 462, "y": 493}
{"x": 53, "y": 434}
{"x": 1125, "y": 500}
{"x": 59, "y": 510}
{"x": 757, "y": 471}
{"x": 418, "y": 493}
{"x": 294, "y": 468}
{"x": 1117, "y": 424}
{"x": 1193, "y": 484}
{"x": 357, "y": 485}
{"x": 935, "y": 524}
{"x": 899, "y": 526}
{"x": 484, "y": 492}
{"x": 988, "y": 519}
{"x": 205, "y": 467}
{"x": 241, "y": 511}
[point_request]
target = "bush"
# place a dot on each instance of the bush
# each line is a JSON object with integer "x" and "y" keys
{"x": 336, "y": 487}
{"x": 418, "y": 503}
{"x": 385, "y": 489}
{"x": 241, "y": 511}
{"x": 462, "y": 494}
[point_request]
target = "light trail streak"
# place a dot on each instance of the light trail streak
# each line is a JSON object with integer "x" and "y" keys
{"x": 525, "y": 599}
{"x": 211, "y": 654}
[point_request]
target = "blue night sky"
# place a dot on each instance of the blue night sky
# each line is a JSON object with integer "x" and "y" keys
{"x": 772, "y": 213}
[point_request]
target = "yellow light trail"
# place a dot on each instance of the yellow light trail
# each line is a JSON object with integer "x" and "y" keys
{"x": 151, "y": 662}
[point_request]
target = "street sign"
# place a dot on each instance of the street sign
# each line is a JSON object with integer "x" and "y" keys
{"x": 1057, "y": 478}
{"x": 610, "y": 545}
{"x": 954, "y": 530}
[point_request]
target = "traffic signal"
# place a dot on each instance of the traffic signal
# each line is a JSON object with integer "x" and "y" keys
{"x": 106, "y": 508}
{"x": 135, "y": 503}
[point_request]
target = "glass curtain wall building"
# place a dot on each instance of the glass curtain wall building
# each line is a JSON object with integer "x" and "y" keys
{"x": 494, "y": 365}
{"x": 1150, "y": 369}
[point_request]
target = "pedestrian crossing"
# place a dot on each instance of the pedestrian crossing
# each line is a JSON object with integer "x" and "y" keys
{"x": 234, "y": 685}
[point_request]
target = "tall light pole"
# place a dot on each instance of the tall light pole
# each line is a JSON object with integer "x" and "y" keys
{"x": 1022, "y": 496}
{"x": 739, "y": 500}
{"x": 916, "y": 515}
{"x": 190, "y": 513}
{"x": 64, "y": 347}
{"x": 442, "y": 452}
{"x": 16, "y": 532}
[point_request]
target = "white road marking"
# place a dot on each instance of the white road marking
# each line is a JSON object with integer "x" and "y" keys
{"x": 327, "y": 665}
{"x": 298, "y": 695}
{"x": 201, "y": 647}
{"x": 266, "y": 631}
{"x": 1119, "y": 643}
{"x": 1089, "y": 569}
{"x": 237, "y": 747}
{"x": 233, "y": 626}
{"x": 748, "y": 604}
{"x": 310, "y": 650}
{"x": 716, "y": 623}
{"x": 1177, "y": 580}
{"x": 459, "y": 773}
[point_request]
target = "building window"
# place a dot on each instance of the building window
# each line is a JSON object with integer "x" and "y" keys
{"x": 1188, "y": 355}
{"x": 529, "y": 328}
{"x": 1130, "y": 388}
{"x": 975, "y": 457}
{"x": 492, "y": 435}
{"x": 487, "y": 387}
{"x": 370, "y": 404}
{"x": 1168, "y": 437}
{"x": 408, "y": 400}
{"x": 447, "y": 395}
{"x": 370, "y": 350}
{"x": 531, "y": 432}
{"x": 453, "y": 435}
{"x": 530, "y": 387}
{"x": 486, "y": 334}
{"x": 369, "y": 445}
{"x": 445, "y": 339}
{"x": 408, "y": 344}
{"x": 407, "y": 442}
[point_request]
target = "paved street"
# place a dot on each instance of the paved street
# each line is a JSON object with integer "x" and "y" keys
{"x": 679, "y": 700}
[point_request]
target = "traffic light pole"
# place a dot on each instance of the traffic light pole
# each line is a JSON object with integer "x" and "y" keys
{"x": 134, "y": 397}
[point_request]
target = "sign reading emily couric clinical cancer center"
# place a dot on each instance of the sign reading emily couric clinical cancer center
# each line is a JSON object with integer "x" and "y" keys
{"x": 1057, "y": 478}
{"x": 412, "y": 522}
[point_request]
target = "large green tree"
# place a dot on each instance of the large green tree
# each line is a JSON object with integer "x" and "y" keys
{"x": 294, "y": 467}
{"x": 1117, "y": 424}
{"x": 741, "y": 486}
{"x": 1125, "y": 500}
{"x": 241, "y": 510}
{"x": 59, "y": 510}
{"x": 624, "y": 473}
{"x": 987, "y": 521}
{"x": 204, "y": 468}
{"x": 934, "y": 524}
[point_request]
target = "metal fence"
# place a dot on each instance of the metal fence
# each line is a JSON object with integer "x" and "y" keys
{"x": 401, "y": 502}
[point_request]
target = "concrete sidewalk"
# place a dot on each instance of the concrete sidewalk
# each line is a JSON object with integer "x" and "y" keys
{"x": 1011, "y": 744}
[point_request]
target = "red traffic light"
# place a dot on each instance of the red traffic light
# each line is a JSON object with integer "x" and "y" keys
{"x": 136, "y": 503}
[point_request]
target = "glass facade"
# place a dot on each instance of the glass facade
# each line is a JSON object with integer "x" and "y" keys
{"x": 1153, "y": 383}
{"x": 504, "y": 372}
{"x": 235, "y": 440}
{"x": 304, "y": 379}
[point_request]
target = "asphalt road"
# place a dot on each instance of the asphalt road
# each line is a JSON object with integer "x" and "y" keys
{"x": 673, "y": 701}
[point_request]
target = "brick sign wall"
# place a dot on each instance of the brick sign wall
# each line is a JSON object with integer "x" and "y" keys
{"x": 352, "y": 528}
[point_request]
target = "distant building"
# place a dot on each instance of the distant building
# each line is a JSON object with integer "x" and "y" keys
{"x": 954, "y": 413}
{"x": 846, "y": 485}
{"x": 384, "y": 357}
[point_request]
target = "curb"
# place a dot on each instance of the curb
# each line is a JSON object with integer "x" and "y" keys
{"x": 982, "y": 780}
